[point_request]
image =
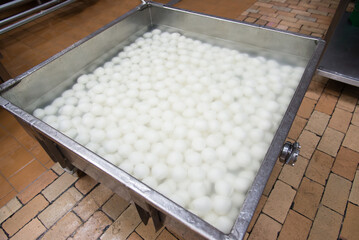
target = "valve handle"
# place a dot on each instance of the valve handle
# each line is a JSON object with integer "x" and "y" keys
{"x": 290, "y": 153}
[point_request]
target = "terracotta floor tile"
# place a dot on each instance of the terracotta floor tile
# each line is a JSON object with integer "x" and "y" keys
{"x": 166, "y": 235}
{"x": 272, "y": 178}
{"x": 326, "y": 225}
{"x": 3, "y": 235}
{"x": 315, "y": 89}
{"x": 307, "y": 200}
{"x": 308, "y": 142}
{"x": 355, "y": 119}
{"x": 326, "y": 103}
{"x": 35, "y": 188}
{"x": 5, "y": 187}
{"x": 64, "y": 227}
{"x": 279, "y": 201}
{"x": 31, "y": 231}
{"x": 350, "y": 228}
{"x": 7, "y": 198}
{"x": 49, "y": 164}
{"x": 317, "y": 122}
{"x": 258, "y": 210}
{"x": 148, "y": 231}
{"x": 297, "y": 127}
{"x": 331, "y": 141}
{"x": 16, "y": 49}
{"x": 27, "y": 175}
{"x": 9, "y": 208}
{"x": 134, "y": 236}
{"x": 354, "y": 192}
{"x": 15, "y": 161}
{"x": 346, "y": 163}
{"x": 85, "y": 184}
{"x": 347, "y": 100}
{"x": 60, "y": 207}
{"x": 334, "y": 87}
{"x": 24, "y": 215}
{"x": 293, "y": 175}
{"x": 316, "y": 77}
{"x": 124, "y": 225}
{"x": 16, "y": 130}
{"x": 57, "y": 187}
{"x": 306, "y": 108}
{"x": 57, "y": 169}
{"x": 319, "y": 167}
{"x": 340, "y": 120}
{"x": 40, "y": 154}
{"x": 296, "y": 227}
{"x": 115, "y": 206}
{"x": 265, "y": 229}
{"x": 351, "y": 138}
{"x": 3, "y": 133}
{"x": 8, "y": 145}
{"x": 27, "y": 141}
{"x": 336, "y": 193}
{"x": 95, "y": 199}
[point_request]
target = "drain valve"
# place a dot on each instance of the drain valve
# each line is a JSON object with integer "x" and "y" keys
{"x": 290, "y": 153}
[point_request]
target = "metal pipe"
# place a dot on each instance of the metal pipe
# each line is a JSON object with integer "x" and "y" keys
{"x": 36, "y": 16}
{"x": 28, "y": 12}
{"x": 13, "y": 4}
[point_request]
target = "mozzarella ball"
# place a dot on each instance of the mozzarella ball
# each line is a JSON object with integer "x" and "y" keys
{"x": 201, "y": 205}
{"x": 179, "y": 173}
{"x": 159, "y": 171}
{"x": 222, "y": 205}
{"x": 223, "y": 188}
{"x": 150, "y": 181}
{"x": 50, "y": 110}
{"x": 39, "y": 113}
{"x": 141, "y": 171}
{"x": 224, "y": 224}
{"x": 197, "y": 189}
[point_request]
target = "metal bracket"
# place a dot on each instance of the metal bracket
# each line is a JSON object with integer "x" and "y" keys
{"x": 145, "y": 211}
{"x": 290, "y": 153}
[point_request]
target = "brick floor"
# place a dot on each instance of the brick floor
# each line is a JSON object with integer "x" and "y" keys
{"x": 316, "y": 199}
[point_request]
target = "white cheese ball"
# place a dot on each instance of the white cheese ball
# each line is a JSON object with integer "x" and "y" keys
{"x": 224, "y": 224}
{"x": 141, "y": 171}
{"x": 179, "y": 173}
{"x": 242, "y": 184}
{"x": 175, "y": 158}
{"x": 198, "y": 189}
{"x": 223, "y": 188}
{"x": 150, "y": 181}
{"x": 209, "y": 155}
{"x": 181, "y": 197}
{"x": 126, "y": 166}
{"x": 221, "y": 204}
{"x": 159, "y": 171}
{"x": 39, "y": 113}
{"x": 201, "y": 205}
{"x": 192, "y": 158}
{"x": 50, "y": 110}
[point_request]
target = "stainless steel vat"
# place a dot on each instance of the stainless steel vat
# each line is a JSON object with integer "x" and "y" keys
{"x": 20, "y": 96}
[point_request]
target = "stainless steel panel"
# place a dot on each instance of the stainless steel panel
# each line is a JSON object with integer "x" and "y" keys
{"x": 47, "y": 80}
{"x": 260, "y": 38}
{"x": 42, "y": 83}
{"x": 340, "y": 60}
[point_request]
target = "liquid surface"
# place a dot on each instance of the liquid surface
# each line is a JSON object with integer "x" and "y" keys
{"x": 189, "y": 119}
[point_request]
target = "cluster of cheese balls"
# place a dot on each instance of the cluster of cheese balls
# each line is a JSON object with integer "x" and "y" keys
{"x": 189, "y": 119}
